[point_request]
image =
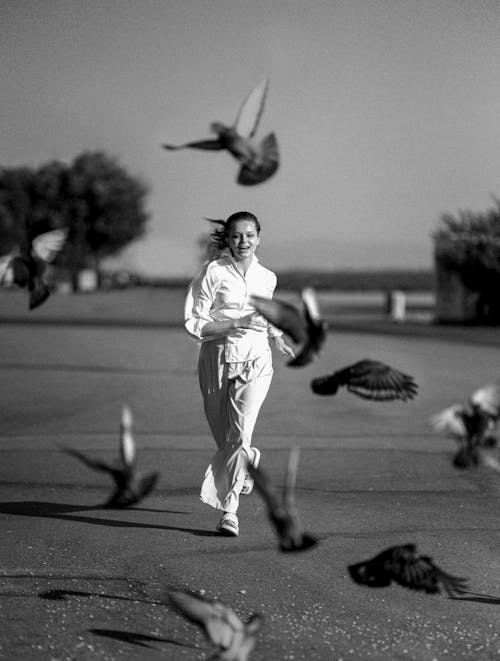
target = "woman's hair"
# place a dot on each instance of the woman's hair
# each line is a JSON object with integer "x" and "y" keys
{"x": 218, "y": 236}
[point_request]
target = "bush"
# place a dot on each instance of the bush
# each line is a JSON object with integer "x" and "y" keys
{"x": 469, "y": 245}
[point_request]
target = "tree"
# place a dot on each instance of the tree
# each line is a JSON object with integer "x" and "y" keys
{"x": 95, "y": 198}
{"x": 107, "y": 209}
{"x": 15, "y": 205}
{"x": 467, "y": 251}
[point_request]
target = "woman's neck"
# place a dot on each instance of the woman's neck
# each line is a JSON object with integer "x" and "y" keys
{"x": 243, "y": 264}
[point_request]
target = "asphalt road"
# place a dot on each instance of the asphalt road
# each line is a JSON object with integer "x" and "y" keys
{"x": 81, "y": 582}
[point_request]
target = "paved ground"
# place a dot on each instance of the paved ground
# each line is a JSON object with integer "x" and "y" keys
{"x": 163, "y": 308}
{"x": 371, "y": 475}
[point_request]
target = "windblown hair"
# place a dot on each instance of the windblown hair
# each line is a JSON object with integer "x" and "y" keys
{"x": 218, "y": 236}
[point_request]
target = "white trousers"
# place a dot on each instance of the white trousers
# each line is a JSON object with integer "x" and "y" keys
{"x": 232, "y": 395}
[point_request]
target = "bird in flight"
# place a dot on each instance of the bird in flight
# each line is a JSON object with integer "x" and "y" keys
{"x": 259, "y": 161}
{"x": 403, "y": 565}
{"x": 26, "y": 264}
{"x": 472, "y": 425}
{"x": 233, "y": 638}
{"x": 281, "y": 509}
{"x": 130, "y": 485}
{"x": 370, "y": 379}
{"x": 304, "y": 325}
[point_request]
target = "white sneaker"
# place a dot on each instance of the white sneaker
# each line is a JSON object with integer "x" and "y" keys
{"x": 247, "y": 487}
{"x": 229, "y": 524}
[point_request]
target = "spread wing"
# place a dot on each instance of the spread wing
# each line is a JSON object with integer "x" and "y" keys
{"x": 127, "y": 441}
{"x": 46, "y": 246}
{"x": 450, "y": 421}
{"x": 420, "y": 573}
{"x": 265, "y": 488}
{"x": 310, "y": 301}
{"x": 251, "y": 110}
{"x": 374, "y": 380}
{"x": 316, "y": 329}
{"x": 6, "y": 271}
{"x": 291, "y": 480}
{"x": 283, "y": 315}
{"x": 96, "y": 464}
{"x": 219, "y": 622}
{"x": 487, "y": 399}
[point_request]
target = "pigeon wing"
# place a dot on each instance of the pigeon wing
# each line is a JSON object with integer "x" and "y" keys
{"x": 316, "y": 329}
{"x": 96, "y": 464}
{"x": 291, "y": 480}
{"x": 251, "y": 110}
{"x": 265, "y": 488}
{"x": 449, "y": 421}
{"x": 218, "y": 620}
{"x": 46, "y": 246}
{"x": 487, "y": 399}
{"x": 127, "y": 441}
{"x": 420, "y": 573}
{"x": 6, "y": 271}
{"x": 310, "y": 301}
{"x": 283, "y": 315}
{"x": 374, "y": 380}
{"x": 146, "y": 484}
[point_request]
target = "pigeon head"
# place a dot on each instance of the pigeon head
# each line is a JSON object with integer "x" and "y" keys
{"x": 363, "y": 573}
{"x": 218, "y": 128}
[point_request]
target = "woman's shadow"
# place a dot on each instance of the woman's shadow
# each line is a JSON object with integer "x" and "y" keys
{"x": 66, "y": 512}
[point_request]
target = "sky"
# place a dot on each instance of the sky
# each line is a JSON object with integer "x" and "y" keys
{"x": 387, "y": 114}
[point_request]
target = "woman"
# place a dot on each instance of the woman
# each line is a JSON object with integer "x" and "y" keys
{"x": 235, "y": 363}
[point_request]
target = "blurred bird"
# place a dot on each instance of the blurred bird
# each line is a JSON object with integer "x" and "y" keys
{"x": 404, "y": 566}
{"x": 234, "y": 638}
{"x": 369, "y": 379}
{"x": 26, "y": 265}
{"x": 258, "y": 161}
{"x": 471, "y": 425}
{"x": 282, "y": 512}
{"x": 305, "y": 326}
{"x": 130, "y": 486}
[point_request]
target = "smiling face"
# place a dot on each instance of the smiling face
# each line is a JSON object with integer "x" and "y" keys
{"x": 243, "y": 239}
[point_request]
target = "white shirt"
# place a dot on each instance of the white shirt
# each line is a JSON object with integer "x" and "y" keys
{"x": 220, "y": 292}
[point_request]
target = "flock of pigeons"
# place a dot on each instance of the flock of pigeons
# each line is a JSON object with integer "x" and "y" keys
{"x": 472, "y": 425}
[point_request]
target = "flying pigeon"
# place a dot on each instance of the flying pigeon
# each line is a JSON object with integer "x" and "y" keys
{"x": 370, "y": 379}
{"x": 282, "y": 511}
{"x": 130, "y": 486}
{"x": 258, "y": 161}
{"x": 26, "y": 265}
{"x": 305, "y": 326}
{"x": 471, "y": 425}
{"x": 403, "y": 565}
{"x": 234, "y": 638}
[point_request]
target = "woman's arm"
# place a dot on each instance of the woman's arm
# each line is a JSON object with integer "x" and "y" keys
{"x": 252, "y": 321}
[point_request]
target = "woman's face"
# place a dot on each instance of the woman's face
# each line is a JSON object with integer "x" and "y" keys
{"x": 243, "y": 239}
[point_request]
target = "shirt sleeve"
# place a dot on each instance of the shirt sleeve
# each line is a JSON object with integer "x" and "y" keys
{"x": 272, "y": 331}
{"x": 199, "y": 299}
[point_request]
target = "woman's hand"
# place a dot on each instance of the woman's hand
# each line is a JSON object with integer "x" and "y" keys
{"x": 282, "y": 346}
{"x": 252, "y": 321}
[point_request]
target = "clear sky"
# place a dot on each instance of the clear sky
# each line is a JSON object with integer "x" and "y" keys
{"x": 387, "y": 114}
